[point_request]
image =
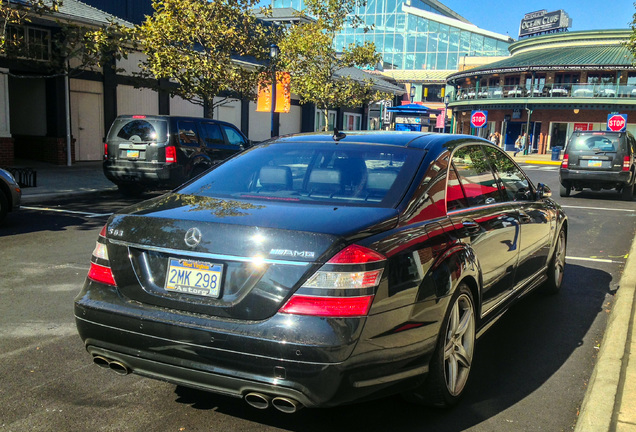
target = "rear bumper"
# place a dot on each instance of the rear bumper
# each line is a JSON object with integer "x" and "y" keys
{"x": 146, "y": 173}
{"x": 318, "y": 362}
{"x": 585, "y": 178}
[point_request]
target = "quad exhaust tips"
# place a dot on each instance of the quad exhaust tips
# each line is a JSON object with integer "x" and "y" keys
{"x": 116, "y": 366}
{"x": 263, "y": 401}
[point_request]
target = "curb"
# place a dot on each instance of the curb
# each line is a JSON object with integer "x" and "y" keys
{"x": 602, "y": 407}
{"x": 542, "y": 162}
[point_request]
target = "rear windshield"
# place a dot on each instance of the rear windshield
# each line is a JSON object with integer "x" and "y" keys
{"x": 594, "y": 143}
{"x": 338, "y": 174}
{"x": 138, "y": 130}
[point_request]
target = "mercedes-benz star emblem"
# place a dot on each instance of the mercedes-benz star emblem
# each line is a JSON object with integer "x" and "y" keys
{"x": 193, "y": 237}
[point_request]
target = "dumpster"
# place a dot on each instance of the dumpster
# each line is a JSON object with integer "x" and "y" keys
{"x": 556, "y": 153}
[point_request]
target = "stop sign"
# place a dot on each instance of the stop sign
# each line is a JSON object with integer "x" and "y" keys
{"x": 479, "y": 118}
{"x": 616, "y": 122}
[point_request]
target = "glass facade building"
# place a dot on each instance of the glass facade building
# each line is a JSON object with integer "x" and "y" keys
{"x": 417, "y": 34}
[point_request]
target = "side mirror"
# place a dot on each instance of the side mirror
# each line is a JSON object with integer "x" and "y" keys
{"x": 543, "y": 191}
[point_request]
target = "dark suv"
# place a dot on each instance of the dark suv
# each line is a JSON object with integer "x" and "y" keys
{"x": 153, "y": 151}
{"x": 599, "y": 160}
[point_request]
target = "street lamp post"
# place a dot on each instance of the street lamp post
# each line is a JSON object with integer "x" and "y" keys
{"x": 273, "y": 54}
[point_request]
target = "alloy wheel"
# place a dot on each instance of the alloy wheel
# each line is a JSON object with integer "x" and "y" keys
{"x": 559, "y": 258}
{"x": 459, "y": 345}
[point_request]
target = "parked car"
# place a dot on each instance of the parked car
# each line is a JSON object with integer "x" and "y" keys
{"x": 599, "y": 160}
{"x": 315, "y": 271}
{"x": 10, "y": 194}
{"x": 152, "y": 151}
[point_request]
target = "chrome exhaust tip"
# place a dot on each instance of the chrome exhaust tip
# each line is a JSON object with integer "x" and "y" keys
{"x": 258, "y": 400}
{"x": 119, "y": 368}
{"x": 101, "y": 361}
{"x": 286, "y": 405}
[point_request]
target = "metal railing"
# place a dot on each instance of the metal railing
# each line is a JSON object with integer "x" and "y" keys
{"x": 577, "y": 91}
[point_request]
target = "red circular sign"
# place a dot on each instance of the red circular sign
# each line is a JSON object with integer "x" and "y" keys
{"x": 616, "y": 123}
{"x": 478, "y": 119}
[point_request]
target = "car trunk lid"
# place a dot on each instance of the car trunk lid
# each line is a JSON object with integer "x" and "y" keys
{"x": 228, "y": 258}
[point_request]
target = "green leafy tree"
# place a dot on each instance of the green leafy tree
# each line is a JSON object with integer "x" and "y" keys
{"x": 195, "y": 44}
{"x": 13, "y": 14}
{"x": 318, "y": 71}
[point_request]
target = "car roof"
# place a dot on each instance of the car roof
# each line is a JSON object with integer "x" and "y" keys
{"x": 170, "y": 117}
{"x": 421, "y": 140}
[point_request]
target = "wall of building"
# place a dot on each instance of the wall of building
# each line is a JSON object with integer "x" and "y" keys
{"x": 136, "y": 101}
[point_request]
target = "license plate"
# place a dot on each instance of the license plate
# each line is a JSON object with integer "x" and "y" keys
{"x": 194, "y": 277}
{"x": 132, "y": 154}
{"x": 595, "y": 163}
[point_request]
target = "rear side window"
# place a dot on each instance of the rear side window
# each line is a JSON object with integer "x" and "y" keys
{"x": 233, "y": 136}
{"x": 188, "y": 133}
{"x": 342, "y": 174}
{"x": 212, "y": 135}
{"x": 594, "y": 143}
{"x": 477, "y": 182}
{"x": 138, "y": 130}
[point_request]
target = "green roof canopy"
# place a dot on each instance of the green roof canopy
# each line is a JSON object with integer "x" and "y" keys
{"x": 591, "y": 50}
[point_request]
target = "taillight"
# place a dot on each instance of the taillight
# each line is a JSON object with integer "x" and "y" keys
{"x": 100, "y": 266}
{"x": 105, "y": 150}
{"x": 565, "y": 163}
{"x": 171, "y": 154}
{"x": 344, "y": 287}
{"x": 626, "y": 163}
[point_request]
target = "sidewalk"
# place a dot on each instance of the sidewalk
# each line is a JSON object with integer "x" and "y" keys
{"x": 610, "y": 401}
{"x": 60, "y": 181}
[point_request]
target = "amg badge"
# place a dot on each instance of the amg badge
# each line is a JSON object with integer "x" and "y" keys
{"x": 292, "y": 253}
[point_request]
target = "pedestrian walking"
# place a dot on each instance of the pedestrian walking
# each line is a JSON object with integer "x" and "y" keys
{"x": 519, "y": 144}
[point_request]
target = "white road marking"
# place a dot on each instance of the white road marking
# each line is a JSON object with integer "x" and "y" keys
{"x": 600, "y": 260}
{"x": 87, "y": 214}
{"x": 598, "y": 208}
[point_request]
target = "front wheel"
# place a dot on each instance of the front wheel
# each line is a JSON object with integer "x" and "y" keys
{"x": 557, "y": 264}
{"x": 451, "y": 363}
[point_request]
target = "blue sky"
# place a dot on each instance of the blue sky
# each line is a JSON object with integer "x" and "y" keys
{"x": 505, "y": 16}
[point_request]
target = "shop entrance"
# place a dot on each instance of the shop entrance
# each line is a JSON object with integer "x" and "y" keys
{"x": 559, "y": 135}
{"x": 514, "y": 129}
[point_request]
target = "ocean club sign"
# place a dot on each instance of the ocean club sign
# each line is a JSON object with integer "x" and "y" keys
{"x": 543, "y": 21}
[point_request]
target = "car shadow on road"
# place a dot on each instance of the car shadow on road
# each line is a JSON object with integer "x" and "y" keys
{"x": 514, "y": 359}
{"x": 83, "y": 213}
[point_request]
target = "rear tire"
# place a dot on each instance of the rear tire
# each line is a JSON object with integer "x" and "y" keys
{"x": 130, "y": 190}
{"x": 627, "y": 193}
{"x": 451, "y": 363}
{"x": 557, "y": 264}
{"x": 564, "y": 190}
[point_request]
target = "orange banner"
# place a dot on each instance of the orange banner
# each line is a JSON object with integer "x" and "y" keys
{"x": 283, "y": 94}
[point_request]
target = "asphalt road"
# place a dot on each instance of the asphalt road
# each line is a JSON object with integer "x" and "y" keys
{"x": 530, "y": 372}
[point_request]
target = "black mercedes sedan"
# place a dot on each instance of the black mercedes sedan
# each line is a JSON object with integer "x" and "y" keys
{"x": 316, "y": 270}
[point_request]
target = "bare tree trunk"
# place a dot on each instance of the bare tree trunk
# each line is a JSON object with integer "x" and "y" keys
{"x": 208, "y": 107}
{"x": 325, "y": 113}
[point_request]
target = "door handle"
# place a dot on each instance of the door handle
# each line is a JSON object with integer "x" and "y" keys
{"x": 470, "y": 226}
